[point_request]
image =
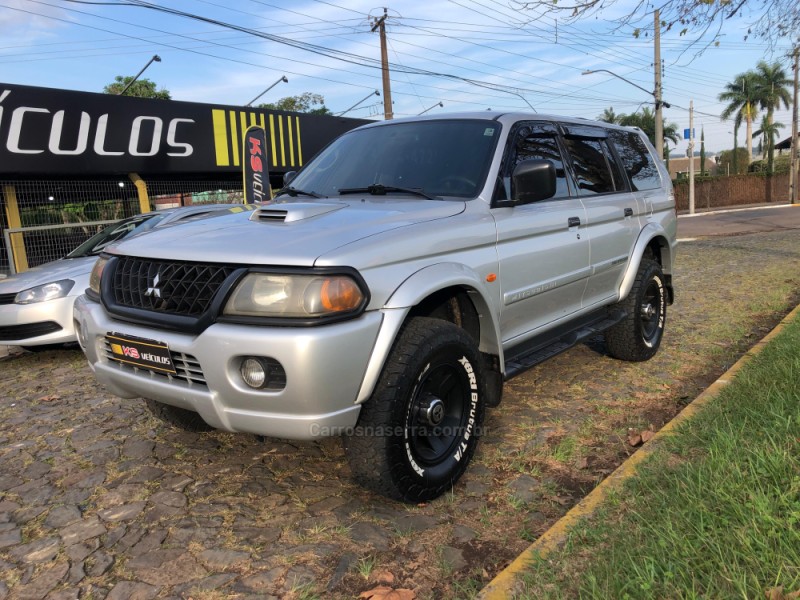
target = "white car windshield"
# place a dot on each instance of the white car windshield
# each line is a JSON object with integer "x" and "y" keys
{"x": 95, "y": 244}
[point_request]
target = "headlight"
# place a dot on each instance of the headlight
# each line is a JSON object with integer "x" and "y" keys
{"x": 97, "y": 273}
{"x": 294, "y": 296}
{"x": 42, "y": 293}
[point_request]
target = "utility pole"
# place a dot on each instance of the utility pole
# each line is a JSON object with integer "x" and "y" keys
{"x": 380, "y": 24}
{"x": 691, "y": 157}
{"x": 794, "y": 174}
{"x": 659, "y": 133}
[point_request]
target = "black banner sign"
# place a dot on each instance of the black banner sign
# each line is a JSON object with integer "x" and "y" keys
{"x": 48, "y": 131}
{"x": 256, "y": 172}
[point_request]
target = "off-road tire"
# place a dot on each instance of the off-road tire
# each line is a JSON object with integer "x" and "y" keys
{"x": 188, "y": 420}
{"x": 637, "y": 337}
{"x": 395, "y": 449}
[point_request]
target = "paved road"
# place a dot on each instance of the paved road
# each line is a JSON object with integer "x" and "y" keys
{"x": 99, "y": 500}
{"x": 737, "y": 222}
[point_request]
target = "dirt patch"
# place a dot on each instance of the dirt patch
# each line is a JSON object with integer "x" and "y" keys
{"x": 96, "y": 496}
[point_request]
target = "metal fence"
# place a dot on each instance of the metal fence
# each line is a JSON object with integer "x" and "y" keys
{"x": 43, "y": 220}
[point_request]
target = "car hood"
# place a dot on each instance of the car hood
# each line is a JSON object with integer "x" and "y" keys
{"x": 77, "y": 269}
{"x": 286, "y": 233}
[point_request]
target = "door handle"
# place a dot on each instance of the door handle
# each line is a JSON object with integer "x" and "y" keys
{"x": 573, "y": 222}
{"x": 628, "y": 212}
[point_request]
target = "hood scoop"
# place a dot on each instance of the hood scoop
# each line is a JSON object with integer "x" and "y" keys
{"x": 290, "y": 212}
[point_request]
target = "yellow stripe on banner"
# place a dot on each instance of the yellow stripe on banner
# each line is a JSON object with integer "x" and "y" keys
{"x": 243, "y": 128}
{"x": 283, "y": 146}
{"x": 235, "y": 139}
{"x": 261, "y": 121}
{"x": 272, "y": 137}
{"x": 220, "y": 137}
{"x": 253, "y": 120}
{"x": 299, "y": 146}
{"x": 14, "y": 220}
{"x": 291, "y": 140}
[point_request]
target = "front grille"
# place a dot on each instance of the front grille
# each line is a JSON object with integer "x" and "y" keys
{"x": 180, "y": 288}
{"x": 7, "y": 298}
{"x": 29, "y": 330}
{"x": 187, "y": 367}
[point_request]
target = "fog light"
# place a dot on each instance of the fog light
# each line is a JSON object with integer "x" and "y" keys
{"x": 254, "y": 373}
{"x": 262, "y": 373}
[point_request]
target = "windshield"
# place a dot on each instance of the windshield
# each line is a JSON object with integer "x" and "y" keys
{"x": 95, "y": 244}
{"x": 437, "y": 158}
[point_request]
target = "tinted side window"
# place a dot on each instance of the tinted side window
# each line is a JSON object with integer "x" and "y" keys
{"x": 542, "y": 147}
{"x": 593, "y": 173}
{"x": 638, "y": 162}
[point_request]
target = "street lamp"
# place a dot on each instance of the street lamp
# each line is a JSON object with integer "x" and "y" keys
{"x": 156, "y": 58}
{"x": 283, "y": 79}
{"x": 659, "y": 124}
{"x": 368, "y": 96}
{"x": 434, "y": 106}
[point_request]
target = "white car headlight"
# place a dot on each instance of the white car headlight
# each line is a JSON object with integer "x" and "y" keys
{"x": 43, "y": 293}
{"x": 97, "y": 272}
{"x": 294, "y": 296}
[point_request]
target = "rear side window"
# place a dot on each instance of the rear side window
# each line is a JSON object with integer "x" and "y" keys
{"x": 595, "y": 169}
{"x": 636, "y": 159}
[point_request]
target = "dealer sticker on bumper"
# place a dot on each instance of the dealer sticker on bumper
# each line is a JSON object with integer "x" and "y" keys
{"x": 147, "y": 354}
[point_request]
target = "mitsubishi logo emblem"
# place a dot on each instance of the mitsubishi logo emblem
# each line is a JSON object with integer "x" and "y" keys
{"x": 154, "y": 290}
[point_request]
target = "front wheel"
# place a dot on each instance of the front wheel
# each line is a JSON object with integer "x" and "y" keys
{"x": 417, "y": 433}
{"x": 638, "y": 336}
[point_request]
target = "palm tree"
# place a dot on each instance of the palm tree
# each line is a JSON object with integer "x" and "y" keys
{"x": 646, "y": 121}
{"x": 609, "y": 116}
{"x": 768, "y": 132}
{"x": 772, "y": 88}
{"x": 742, "y": 101}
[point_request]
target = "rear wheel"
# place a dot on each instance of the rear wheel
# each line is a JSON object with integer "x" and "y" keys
{"x": 187, "y": 420}
{"x": 418, "y": 431}
{"x": 638, "y": 336}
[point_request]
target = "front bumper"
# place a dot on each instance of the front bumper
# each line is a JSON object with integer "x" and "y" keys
{"x": 39, "y": 323}
{"x": 324, "y": 368}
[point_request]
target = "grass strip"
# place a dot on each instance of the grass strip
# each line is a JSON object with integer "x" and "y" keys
{"x": 713, "y": 513}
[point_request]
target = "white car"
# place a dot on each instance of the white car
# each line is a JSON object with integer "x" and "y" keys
{"x": 36, "y": 306}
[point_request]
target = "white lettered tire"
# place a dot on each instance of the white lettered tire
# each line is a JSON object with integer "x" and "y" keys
{"x": 638, "y": 336}
{"x": 417, "y": 433}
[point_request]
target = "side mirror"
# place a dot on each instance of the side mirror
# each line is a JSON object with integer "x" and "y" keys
{"x": 533, "y": 180}
{"x": 288, "y": 176}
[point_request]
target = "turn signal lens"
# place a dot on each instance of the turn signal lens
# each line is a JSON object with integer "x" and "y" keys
{"x": 97, "y": 273}
{"x": 340, "y": 294}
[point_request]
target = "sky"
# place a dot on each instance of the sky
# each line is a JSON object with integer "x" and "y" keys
{"x": 451, "y": 51}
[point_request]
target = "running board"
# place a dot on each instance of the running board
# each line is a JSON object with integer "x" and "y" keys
{"x": 547, "y": 345}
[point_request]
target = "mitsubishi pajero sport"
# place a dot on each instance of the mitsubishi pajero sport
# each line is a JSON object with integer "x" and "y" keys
{"x": 392, "y": 286}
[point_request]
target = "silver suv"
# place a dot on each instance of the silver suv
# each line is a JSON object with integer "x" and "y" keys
{"x": 392, "y": 286}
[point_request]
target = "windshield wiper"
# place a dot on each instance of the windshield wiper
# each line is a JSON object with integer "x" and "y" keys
{"x": 294, "y": 192}
{"x": 378, "y": 189}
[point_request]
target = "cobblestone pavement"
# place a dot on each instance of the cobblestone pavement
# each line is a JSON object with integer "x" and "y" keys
{"x": 100, "y": 500}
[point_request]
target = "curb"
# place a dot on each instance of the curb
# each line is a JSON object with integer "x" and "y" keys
{"x": 723, "y": 210}
{"x": 504, "y": 583}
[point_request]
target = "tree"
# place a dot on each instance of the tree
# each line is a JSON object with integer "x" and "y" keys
{"x": 768, "y": 132}
{"x": 304, "y": 103}
{"x": 729, "y": 160}
{"x": 772, "y": 90}
{"x": 742, "y": 98}
{"x": 645, "y": 120}
{"x": 609, "y": 116}
{"x": 702, "y": 152}
{"x": 142, "y": 88}
{"x": 770, "y": 20}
